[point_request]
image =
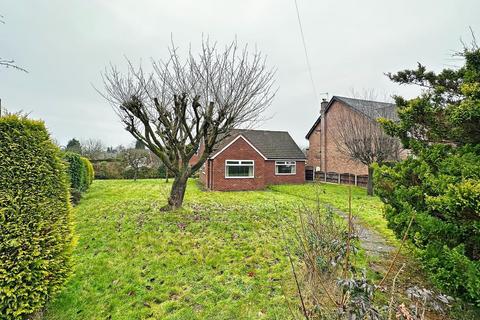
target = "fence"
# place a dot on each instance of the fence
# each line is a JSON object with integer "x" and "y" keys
{"x": 342, "y": 178}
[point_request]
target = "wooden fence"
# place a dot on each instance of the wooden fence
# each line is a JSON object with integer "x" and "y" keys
{"x": 342, "y": 178}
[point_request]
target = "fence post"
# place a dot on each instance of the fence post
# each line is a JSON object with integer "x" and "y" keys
{"x": 338, "y": 177}
{"x": 356, "y": 183}
{"x": 325, "y": 176}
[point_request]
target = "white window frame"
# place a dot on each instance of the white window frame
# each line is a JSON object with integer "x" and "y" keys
{"x": 286, "y": 162}
{"x": 238, "y": 165}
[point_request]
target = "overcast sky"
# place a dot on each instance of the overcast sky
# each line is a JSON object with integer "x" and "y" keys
{"x": 351, "y": 44}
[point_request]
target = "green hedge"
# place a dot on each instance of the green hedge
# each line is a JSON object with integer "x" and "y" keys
{"x": 90, "y": 172}
{"x": 441, "y": 185}
{"x": 80, "y": 172}
{"x": 105, "y": 170}
{"x": 35, "y": 218}
{"x": 77, "y": 171}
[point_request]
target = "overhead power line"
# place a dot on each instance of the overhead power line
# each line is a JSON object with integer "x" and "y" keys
{"x": 306, "y": 54}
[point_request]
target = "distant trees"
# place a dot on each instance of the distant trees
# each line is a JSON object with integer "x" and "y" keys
{"x": 188, "y": 101}
{"x": 135, "y": 159}
{"x": 93, "y": 149}
{"x": 139, "y": 145}
{"x": 74, "y": 145}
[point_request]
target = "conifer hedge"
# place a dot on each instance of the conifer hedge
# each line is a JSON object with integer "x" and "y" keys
{"x": 80, "y": 172}
{"x": 90, "y": 172}
{"x": 77, "y": 171}
{"x": 35, "y": 217}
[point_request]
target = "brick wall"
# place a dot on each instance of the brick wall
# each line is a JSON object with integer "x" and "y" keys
{"x": 334, "y": 160}
{"x": 239, "y": 150}
{"x": 264, "y": 171}
{"x": 313, "y": 155}
{"x": 272, "y": 178}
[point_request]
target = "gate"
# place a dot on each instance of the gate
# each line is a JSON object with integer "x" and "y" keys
{"x": 309, "y": 174}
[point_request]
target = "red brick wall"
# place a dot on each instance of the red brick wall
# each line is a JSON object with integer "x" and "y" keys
{"x": 272, "y": 178}
{"x": 195, "y": 157}
{"x": 213, "y": 175}
{"x": 335, "y": 160}
{"x": 323, "y": 151}
{"x": 239, "y": 150}
{"x": 313, "y": 155}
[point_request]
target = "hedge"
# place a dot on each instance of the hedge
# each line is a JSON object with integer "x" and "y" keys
{"x": 441, "y": 185}
{"x": 77, "y": 171}
{"x": 80, "y": 172}
{"x": 35, "y": 218}
{"x": 90, "y": 172}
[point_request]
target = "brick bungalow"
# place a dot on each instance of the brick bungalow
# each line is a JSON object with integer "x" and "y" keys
{"x": 253, "y": 159}
{"x": 323, "y": 154}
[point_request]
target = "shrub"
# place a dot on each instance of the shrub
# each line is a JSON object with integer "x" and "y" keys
{"x": 440, "y": 182}
{"x": 77, "y": 171}
{"x": 441, "y": 186}
{"x": 35, "y": 218}
{"x": 108, "y": 170}
{"x": 90, "y": 176}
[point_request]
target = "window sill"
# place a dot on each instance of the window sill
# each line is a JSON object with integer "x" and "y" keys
{"x": 239, "y": 177}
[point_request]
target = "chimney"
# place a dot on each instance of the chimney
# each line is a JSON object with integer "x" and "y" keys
{"x": 323, "y": 105}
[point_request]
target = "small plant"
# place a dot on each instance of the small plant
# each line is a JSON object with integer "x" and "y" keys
{"x": 329, "y": 285}
{"x": 423, "y": 300}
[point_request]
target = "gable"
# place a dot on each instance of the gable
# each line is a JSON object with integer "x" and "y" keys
{"x": 370, "y": 109}
{"x": 231, "y": 143}
{"x": 269, "y": 144}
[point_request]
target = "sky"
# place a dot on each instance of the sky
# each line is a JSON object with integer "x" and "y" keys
{"x": 65, "y": 45}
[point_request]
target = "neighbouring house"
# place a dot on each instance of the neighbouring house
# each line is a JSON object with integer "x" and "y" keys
{"x": 323, "y": 153}
{"x": 253, "y": 159}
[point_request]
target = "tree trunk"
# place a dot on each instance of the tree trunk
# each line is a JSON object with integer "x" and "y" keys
{"x": 175, "y": 200}
{"x": 370, "y": 181}
{"x": 135, "y": 174}
{"x": 166, "y": 175}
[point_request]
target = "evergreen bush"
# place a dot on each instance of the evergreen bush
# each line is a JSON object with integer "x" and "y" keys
{"x": 35, "y": 218}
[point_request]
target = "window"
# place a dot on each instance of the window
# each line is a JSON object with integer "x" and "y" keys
{"x": 285, "y": 167}
{"x": 239, "y": 169}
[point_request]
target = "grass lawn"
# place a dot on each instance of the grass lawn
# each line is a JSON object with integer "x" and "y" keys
{"x": 368, "y": 209}
{"x": 221, "y": 257}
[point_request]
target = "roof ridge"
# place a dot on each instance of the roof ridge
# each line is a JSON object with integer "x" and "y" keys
{"x": 342, "y": 97}
{"x": 260, "y": 130}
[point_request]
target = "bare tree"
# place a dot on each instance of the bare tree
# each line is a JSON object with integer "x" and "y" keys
{"x": 360, "y": 137}
{"x": 183, "y": 103}
{"x": 92, "y": 148}
{"x": 135, "y": 159}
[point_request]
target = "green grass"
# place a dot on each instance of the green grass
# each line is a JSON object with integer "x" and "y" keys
{"x": 221, "y": 257}
{"x": 368, "y": 209}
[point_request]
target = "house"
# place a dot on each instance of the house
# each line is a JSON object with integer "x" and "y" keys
{"x": 323, "y": 153}
{"x": 253, "y": 159}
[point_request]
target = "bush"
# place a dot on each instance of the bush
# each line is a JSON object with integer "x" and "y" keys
{"x": 118, "y": 170}
{"x": 441, "y": 186}
{"x": 440, "y": 182}
{"x": 81, "y": 174}
{"x": 90, "y": 171}
{"x": 108, "y": 170}
{"x": 77, "y": 171}
{"x": 35, "y": 218}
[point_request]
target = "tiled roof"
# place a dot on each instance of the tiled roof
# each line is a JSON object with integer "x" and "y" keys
{"x": 272, "y": 144}
{"x": 369, "y": 108}
{"x": 372, "y": 109}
